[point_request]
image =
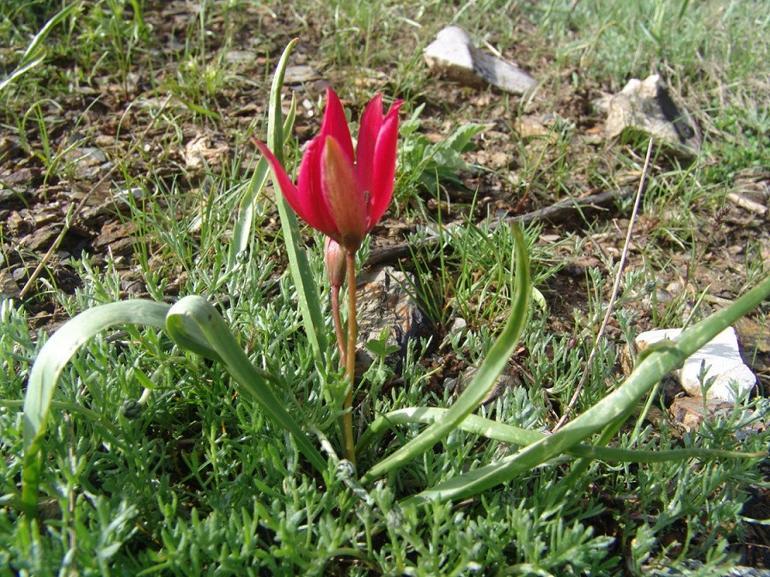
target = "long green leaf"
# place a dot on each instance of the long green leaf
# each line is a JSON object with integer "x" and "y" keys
{"x": 195, "y": 312}
{"x": 641, "y": 380}
{"x": 483, "y": 381}
{"x": 518, "y": 436}
{"x": 50, "y": 363}
{"x": 65, "y": 342}
{"x": 43, "y": 33}
{"x": 243, "y": 228}
{"x": 307, "y": 291}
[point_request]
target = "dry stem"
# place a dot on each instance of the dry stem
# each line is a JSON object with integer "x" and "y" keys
{"x": 613, "y": 296}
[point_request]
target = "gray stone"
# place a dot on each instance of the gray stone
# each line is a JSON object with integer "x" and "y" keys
{"x": 459, "y": 324}
{"x": 88, "y": 162}
{"x": 299, "y": 74}
{"x": 240, "y": 57}
{"x": 9, "y": 288}
{"x": 453, "y": 54}
{"x": 385, "y": 307}
{"x": 647, "y": 106}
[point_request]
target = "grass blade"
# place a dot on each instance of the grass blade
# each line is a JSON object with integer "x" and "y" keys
{"x": 485, "y": 377}
{"x": 42, "y": 34}
{"x": 518, "y": 436}
{"x": 194, "y": 312}
{"x": 642, "y": 379}
{"x": 28, "y": 60}
{"x": 50, "y": 363}
{"x": 19, "y": 72}
{"x": 307, "y": 292}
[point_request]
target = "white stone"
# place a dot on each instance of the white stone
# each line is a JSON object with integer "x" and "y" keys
{"x": 453, "y": 54}
{"x": 721, "y": 360}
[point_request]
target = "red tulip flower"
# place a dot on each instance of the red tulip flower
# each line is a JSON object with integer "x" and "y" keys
{"x": 340, "y": 192}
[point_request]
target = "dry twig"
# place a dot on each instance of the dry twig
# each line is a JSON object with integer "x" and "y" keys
{"x": 559, "y": 211}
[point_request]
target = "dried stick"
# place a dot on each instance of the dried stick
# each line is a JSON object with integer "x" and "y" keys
{"x": 71, "y": 215}
{"x": 560, "y": 210}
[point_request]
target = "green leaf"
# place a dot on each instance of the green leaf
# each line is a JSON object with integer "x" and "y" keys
{"x": 243, "y": 229}
{"x": 194, "y": 315}
{"x": 482, "y": 382}
{"x": 43, "y": 33}
{"x": 192, "y": 323}
{"x": 307, "y": 291}
{"x": 50, "y": 363}
{"x": 29, "y": 59}
{"x": 518, "y": 436}
{"x": 603, "y": 413}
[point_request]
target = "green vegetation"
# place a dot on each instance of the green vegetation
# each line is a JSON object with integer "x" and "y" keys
{"x": 156, "y": 461}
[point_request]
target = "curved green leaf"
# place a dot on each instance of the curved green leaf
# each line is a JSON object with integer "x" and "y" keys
{"x": 307, "y": 292}
{"x": 610, "y": 408}
{"x": 518, "y": 436}
{"x": 65, "y": 342}
{"x": 483, "y": 381}
{"x": 195, "y": 313}
{"x": 50, "y": 363}
{"x": 243, "y": 227}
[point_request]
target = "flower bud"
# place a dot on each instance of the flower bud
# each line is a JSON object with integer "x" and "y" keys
{"x": 334, "y": 259}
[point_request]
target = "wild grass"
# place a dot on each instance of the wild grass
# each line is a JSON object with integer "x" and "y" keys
{"x": 197, "y": 481}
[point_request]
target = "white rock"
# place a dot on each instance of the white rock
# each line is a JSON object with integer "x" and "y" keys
{"x": 721, "y": 360}
{"x": 453, "y": 54}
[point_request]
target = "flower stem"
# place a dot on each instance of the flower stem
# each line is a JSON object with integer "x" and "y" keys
{"x": 335, "y": 291}
{"x": 350, "y": 359}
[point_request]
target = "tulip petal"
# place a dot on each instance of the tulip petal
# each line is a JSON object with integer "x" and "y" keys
{"x": 371, "y": 122}
{"x": 384, "y": 166}
{"x": 346, "y": 202}
{"x": 290, "y": 192}
{"x": 315, "y": 209}
{"x": 335, "y": 124}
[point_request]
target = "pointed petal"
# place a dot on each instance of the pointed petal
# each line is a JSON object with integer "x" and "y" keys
{"x": 313, "y": 204}
{"x": 335, "y": 124}
{"x": 290, "y": 192}
{"x": 384, "y": 166}
{"x": 346, "y": 202}
{"x": 371, "y": 122}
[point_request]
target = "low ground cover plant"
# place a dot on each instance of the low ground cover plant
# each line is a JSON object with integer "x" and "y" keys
{"x": 343, "y": 194}
{"x": 226, "y": 429}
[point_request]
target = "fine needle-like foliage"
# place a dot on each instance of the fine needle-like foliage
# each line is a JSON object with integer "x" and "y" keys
{"x": 192, "y": 323}
{"x": 343, "y": 193}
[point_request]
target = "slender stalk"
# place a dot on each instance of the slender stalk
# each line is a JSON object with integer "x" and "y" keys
{"x": 350, "y": 359}
{"x": 335, "y": 290}
{"x": 614, "y": 295}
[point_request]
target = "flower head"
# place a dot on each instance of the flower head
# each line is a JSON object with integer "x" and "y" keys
{"x": 339, "y": 191}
